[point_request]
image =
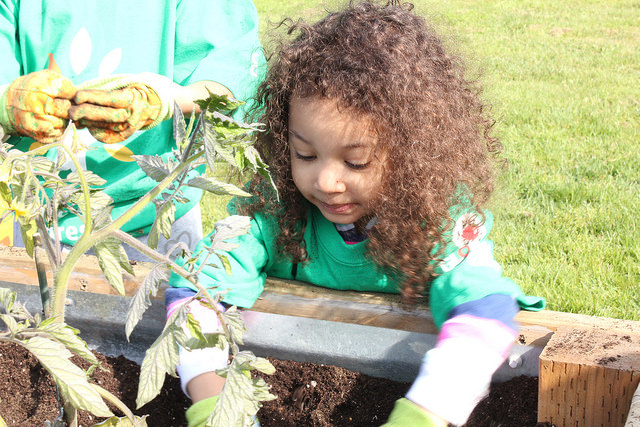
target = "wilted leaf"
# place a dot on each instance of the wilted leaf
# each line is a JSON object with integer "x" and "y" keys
{"x": 70, "y": 379}
{"x": 141, "y": 300}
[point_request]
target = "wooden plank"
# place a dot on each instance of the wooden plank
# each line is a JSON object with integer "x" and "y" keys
{"x": 588, "y": 377}
{"x": 302, "y": 300}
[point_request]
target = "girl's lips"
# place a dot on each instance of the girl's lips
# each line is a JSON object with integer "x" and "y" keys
{"x": 337, "y": 208}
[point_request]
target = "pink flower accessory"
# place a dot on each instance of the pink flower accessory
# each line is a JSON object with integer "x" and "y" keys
{"x": 468, "y": 228}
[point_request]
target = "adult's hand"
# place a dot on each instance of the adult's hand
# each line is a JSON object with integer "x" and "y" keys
{"x": 114, "y": 115}
{"x": 37, "y": 105}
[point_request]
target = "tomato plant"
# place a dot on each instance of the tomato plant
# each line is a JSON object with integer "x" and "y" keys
{"x": 35, "y": 190}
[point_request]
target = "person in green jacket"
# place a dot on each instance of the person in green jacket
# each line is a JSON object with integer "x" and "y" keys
{"x": 381, "y": 153}
{"x": 121, "y": 65}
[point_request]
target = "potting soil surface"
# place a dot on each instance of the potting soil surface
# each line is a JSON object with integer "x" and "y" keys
{"x": 309, "y": 395}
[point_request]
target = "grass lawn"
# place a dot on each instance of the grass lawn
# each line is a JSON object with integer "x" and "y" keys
{"x": 563, "y": 81}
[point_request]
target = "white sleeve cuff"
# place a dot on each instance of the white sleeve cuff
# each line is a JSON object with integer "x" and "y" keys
{"x": 451, "y": 382}
{"x": 197, "y": 362}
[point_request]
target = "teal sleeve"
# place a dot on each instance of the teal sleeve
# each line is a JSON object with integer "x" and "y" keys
{"x": 406, "y": 413}
{"x": 219, "y": 41}
{"x": 9, "y": 47}
{"x": 468, "y": 270}
{"x": 247, "y": 264}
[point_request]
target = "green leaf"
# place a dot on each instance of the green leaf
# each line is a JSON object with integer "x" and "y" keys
{"x": 263, "y": 365}
{"x": 240, "y": 397}
{"x": 27, "y": 229}
{"x": 112, "y": 259}
{"x": 99, "y": 201}
{"x": 141, "y": 300}
{"x": 13, "y": 307}
{"x": 261, "y": 390}
{"x": 42, "y": 164}
{"x": 229, "y": 228}
{"x": 7, "y": 298}
{"x": 259, "y": 166}
{"x": 214, "y": 186}
{"x": 179, "y": 125}
{"x": 161, "y": 358}
{"x": 91, "y": 178}
{"x": 235, "y": 324}
{"x": 212, "y": 148}
{"x": 68, "y": 336}
{"x": 165, "y": 216}
{"x": 123, "y": 422}
{"x": 154, "y": 166}
{"x": 218, "y": 103}
{"x": 11, "y": 323}
{"x": 70, "y": 379}
{"x": 224, "y": 260}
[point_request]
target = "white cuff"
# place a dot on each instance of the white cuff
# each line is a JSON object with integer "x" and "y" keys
{"x": 197, "y": 362}
{"x": 452, "y": 381}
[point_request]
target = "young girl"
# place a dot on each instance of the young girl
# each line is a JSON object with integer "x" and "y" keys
{"x": 381, "y": 152}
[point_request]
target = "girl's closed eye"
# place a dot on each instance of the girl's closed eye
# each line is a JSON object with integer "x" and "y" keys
{"x": 357, "y": 166}
{"x": 303, "y": 157}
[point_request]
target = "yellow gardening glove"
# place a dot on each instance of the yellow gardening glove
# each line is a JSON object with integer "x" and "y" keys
{"x": 37, "y": 105}
{"x": 114, "y": 115}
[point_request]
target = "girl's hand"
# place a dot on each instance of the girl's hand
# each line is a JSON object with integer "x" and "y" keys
{"x": 406, "y": 413}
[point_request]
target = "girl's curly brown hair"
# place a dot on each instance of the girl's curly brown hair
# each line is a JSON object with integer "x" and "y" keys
{"x": 385, "y": 63}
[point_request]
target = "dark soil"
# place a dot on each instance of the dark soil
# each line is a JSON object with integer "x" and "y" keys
{"x": 309, "y": 395}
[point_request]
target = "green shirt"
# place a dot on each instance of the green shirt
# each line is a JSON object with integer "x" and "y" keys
{"x": 184, "y": 40}
{"x": 468, "y": 271}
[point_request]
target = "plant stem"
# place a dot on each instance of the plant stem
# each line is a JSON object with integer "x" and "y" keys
{"x": 87, "y": 240}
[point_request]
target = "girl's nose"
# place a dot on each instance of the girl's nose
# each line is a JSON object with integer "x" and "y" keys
{"x": 329, "y": 180}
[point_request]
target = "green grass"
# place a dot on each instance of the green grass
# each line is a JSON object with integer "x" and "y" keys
{"x": 562, "y": 79}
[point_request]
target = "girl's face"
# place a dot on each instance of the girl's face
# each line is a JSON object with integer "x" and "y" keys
{"x": 333, "y": 162}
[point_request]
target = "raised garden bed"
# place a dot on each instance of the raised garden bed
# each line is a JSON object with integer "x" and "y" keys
{"x": 369, "y": 334}
{"x": 308, "y": 395}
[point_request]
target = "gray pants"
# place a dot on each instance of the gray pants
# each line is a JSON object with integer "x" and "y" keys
{"x": 187, "y": 229}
